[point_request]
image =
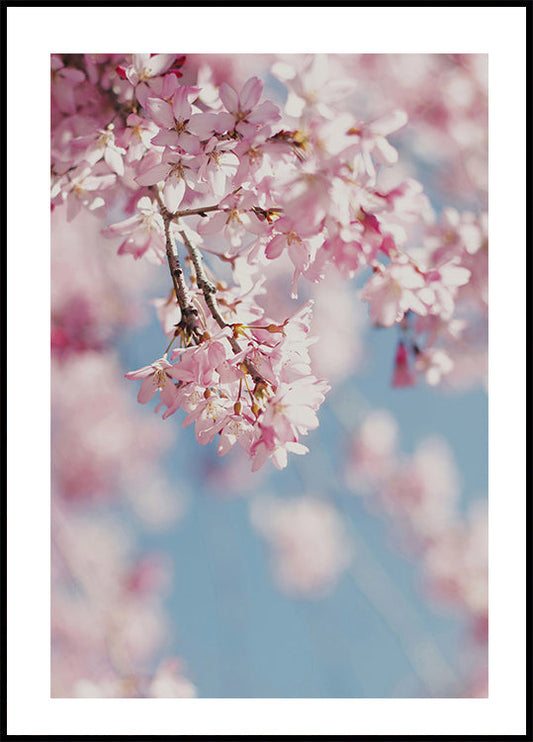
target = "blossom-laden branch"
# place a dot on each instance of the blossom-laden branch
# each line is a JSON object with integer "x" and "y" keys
{"x": 209, "y": 292}
{"x": 300, "y": 184}
{"x": 188, "y": 312}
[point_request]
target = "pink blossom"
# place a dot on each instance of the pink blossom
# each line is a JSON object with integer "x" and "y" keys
{"x": 286, "y": 238}
{"x": 255, "y": 162}
{"x": 177, "y": 171}
{"x": 168, "y": 313}
{"x": 158, "y": 377}
{"x": 199, "y": 363}
{"x": 373, "y": 142}
{"x": 82, "y": 188}
{"x": 144, "y": 232}
{"x": 237, "y": 429}
{"x": 179, "y": 126}
{"x": 441, "y": 288}
{"x": 234, "y": 220}
{"x": 316, "y": 83}
{"x": 393, "y": 291}
{"x": 218, "y": 164}
{"x": 289, "y": 413}
{"x": 144, "y": 66}
{"x": 263, "y": 449}
{"x": 136, "y": 138}
{"x": 245, "y": 116}
{"x": 210, "y": 415}
{"x": 103, "y": 146}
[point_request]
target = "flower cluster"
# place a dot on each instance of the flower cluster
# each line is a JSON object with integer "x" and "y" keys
{"x": 445, "y": 321}
{"x": 250, "y": 385}
{"x": 445, "y": 97}
{"x": 239, "y": 178}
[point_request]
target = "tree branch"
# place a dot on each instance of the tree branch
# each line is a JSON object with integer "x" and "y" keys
{"x": 209, "y": 290}
{"x": 188, "y": 313}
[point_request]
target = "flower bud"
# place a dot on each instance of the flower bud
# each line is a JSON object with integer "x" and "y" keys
{"x": 259, "y": 389}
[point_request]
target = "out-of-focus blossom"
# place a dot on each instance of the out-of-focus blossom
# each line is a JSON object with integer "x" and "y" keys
{"x": 337, "y": 315}
{"x": 434, "y": 364}
{"x": 107, "y": 628}
{"x": 315, "y": 81}
{"x": 310, "y": 547}
{"x": 170, "y": 682}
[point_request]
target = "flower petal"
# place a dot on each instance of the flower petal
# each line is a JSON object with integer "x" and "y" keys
{"x": 229, "y": 98}
{"x": 153, "y": 175}
{"x": 147, "y": 390}
{"x": 250, "y": 93}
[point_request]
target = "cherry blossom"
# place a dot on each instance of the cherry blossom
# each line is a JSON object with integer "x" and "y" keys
{"x": 158, "y": 377}
{"x": 178, "y": 173}
{"x": 245, "y": 116}
{"x": 394, "y": 290}
{"x": 144, "y": 230}
{"x": 209, "y": 166}
{"x": 144, "y": 66}
{"x": 314, "y": 83}
{"x": 103, "y": 146}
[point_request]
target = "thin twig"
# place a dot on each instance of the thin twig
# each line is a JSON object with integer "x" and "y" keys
{"x": 199, "y": 210}
{"x": 202, "y": 210}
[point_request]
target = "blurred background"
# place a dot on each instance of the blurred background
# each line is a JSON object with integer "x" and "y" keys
{"x": 358, "y": 571}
